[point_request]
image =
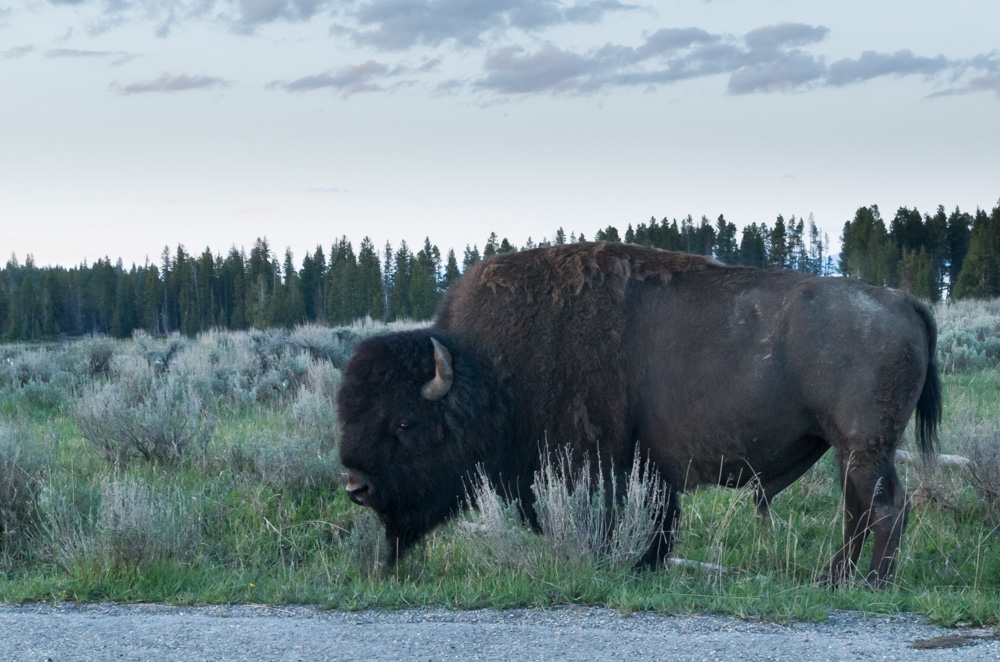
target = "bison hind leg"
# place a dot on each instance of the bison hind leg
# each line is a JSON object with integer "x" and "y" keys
{"x": 874, "y": 503}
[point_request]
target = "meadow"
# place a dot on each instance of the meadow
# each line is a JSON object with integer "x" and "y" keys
{"x": 205, "y": 470}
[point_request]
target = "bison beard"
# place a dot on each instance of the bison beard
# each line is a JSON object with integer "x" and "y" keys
{"x": 716, "y": 374}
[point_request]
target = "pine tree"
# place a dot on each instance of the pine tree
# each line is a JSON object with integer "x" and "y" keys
{"x": 917, "y": 274}
{"x": 980, "y": 275}
{"x": 470, "y": 257}
{"x": 629, "y": 235}
{"x": 816, "y": 248}
{"x": 369, "y": 281}
{"x": 401, "y": 279}
{"x": 261, "y": 272}
{"x": 451, "y": 272}
{"x": 343, "y": 304}
{"x": 958, "y": 236}
{"x": 777, "y": 257}
{"x": 311, "y": 278}
{"x": 423, "y": 291}
{"x": 492, "y": 247}
{"x": 726, "y": 249}
{"x": 388, "y": 268}
{"x": 753, "y": 249}
{"x": 609, "y": 234}
{"x": 867, "y": 252}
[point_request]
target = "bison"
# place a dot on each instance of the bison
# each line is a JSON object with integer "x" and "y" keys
{"x": 714, "y": 373}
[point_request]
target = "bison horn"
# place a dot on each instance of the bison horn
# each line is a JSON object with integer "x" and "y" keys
{"x": 439, "y": 386}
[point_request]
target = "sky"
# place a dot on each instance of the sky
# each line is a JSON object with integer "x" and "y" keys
{"x": 130, "y": 125}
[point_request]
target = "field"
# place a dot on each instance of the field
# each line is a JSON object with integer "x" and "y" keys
{"x": 205, "y": 470}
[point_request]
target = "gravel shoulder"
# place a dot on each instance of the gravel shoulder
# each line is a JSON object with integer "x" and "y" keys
{"x": 156, "y": 632}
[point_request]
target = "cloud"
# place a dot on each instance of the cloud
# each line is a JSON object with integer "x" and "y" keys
{"x": 977, "y": 84}
{"x": 16, "y": 52}
{"x": 785, "y": 72}
{"x": 168, "y": 83}
{"x": 670, "y": 40}
{"x": 394, "y": 25}
{"x": 871, "y": 65}
{"x": 511, "y": 71}
{"x": 253, "y": 13}
{"x": 783, "y": 35}
{"x": 369, "y": 76}
{"x": 117, "y": 57}
{"x": 765, "y": 60}
{"x": 242, "y": 16}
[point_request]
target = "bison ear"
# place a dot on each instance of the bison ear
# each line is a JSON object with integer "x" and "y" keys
{"x": 439, "y": 386}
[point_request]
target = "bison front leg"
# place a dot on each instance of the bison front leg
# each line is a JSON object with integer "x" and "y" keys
{"x": 874, "y": 501}
{"x": 659, "y": 549}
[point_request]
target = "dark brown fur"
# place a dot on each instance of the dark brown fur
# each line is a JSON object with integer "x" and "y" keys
{"x": 717, "y": 374}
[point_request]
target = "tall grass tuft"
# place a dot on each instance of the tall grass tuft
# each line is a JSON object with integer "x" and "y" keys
{"x": 22, "y": 468}
{"x": 135, "y": 522}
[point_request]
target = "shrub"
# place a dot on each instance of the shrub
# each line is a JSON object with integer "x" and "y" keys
{"x": 29, "y": 366}
{"x": 585, "y": 518}
{"x": 968, "y": 335}
{"x": 139, "y": 415}
{"x": 980, "y": 442}
{"x": 314, "y": 410}
{"x": 323, "y": 343}
{"x": 281, "y": 461}
{"x": 590, "y": 518}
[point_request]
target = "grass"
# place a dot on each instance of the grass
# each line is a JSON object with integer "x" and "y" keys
{"x": 257, "y": 513}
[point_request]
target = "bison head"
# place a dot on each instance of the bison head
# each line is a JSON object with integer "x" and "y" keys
{"x": 418, "y": 414}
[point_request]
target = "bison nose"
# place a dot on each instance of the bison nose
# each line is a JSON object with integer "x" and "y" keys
{"x": 358, "y": 489}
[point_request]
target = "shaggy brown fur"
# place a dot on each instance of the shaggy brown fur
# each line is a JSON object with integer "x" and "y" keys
{"x": 715, "y": 373}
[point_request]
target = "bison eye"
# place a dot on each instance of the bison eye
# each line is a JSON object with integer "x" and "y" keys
{"x": 405, "y": 425}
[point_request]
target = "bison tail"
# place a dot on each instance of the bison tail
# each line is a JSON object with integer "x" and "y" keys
{"x": 929, "y": 403}
{"x": 929, "y": 412}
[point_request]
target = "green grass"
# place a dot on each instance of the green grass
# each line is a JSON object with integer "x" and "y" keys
{"x": 265, "y": 520}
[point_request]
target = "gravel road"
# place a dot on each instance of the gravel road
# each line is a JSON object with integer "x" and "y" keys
{"x": 155, "y": 632}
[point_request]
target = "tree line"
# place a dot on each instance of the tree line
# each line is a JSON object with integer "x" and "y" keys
{"x": 934, "y": 256}
{"x": 931, "y": 255}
